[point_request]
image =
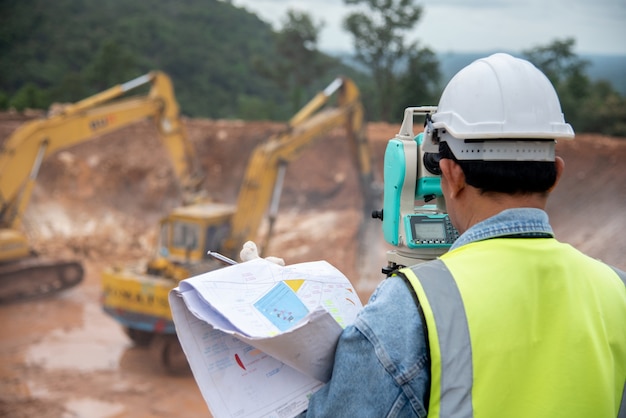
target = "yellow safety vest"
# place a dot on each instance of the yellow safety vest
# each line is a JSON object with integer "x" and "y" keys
{"x": 523, "y": 327}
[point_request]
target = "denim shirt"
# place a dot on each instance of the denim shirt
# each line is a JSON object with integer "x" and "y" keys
{"x": 382, "y": 363}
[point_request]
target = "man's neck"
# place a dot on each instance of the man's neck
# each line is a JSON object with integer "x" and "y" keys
{"x": 478, "y": 207}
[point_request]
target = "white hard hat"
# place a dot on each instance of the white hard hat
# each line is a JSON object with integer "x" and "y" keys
{"x": 505, "y": 107}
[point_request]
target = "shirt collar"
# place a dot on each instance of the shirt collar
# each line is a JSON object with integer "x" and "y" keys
{"x": 518, "y": 222}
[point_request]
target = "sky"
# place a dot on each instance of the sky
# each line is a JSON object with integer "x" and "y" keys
{"x": 598, "y": 26}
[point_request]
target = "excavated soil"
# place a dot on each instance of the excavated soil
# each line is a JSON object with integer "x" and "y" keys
{"x": 100, "y": 202}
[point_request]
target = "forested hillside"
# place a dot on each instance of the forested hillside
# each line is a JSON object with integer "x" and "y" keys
{"x": 65, "y": 50}
{"x": 227, "y": 63}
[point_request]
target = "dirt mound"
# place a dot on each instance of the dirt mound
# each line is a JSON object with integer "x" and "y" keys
{"x": 101, "y": 200}
{"x": 587, "y": 207}
{"x": 106, "y": 195}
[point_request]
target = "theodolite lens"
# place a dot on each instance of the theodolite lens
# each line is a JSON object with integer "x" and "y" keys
{"x": 431, "y": 163}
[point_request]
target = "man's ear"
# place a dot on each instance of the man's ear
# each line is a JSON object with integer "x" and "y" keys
{"x": 560, "y": 166}
{"x": 453, "y": 175}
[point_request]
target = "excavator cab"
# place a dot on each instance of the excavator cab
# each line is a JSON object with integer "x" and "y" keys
{"x": 190, "y": 231}
{"x": 137, "y": 296}
{"x": 186, "y": 236}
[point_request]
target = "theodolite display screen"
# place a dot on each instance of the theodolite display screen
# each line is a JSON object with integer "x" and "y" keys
{"x": 430, "y": 230}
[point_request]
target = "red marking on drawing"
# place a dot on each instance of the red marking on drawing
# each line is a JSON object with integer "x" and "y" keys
{"x": 239, "y": 362}
{"x": 352, "y": 302}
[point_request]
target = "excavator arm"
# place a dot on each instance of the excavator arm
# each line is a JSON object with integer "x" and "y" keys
{"x": 22, "y": 154}
{"x": 263, "y": 179}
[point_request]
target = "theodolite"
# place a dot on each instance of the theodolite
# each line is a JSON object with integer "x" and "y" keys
{"x": 420, "y": 230}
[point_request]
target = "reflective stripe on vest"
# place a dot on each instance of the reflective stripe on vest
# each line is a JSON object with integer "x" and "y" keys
{"x": 455, "y": 356}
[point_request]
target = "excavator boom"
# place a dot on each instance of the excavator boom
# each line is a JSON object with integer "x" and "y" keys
{"x": 263, "y": 179}
{"x": 23, "y": 274}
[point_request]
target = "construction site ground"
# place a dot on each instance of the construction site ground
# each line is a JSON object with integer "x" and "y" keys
{"x": 101, "y": 202}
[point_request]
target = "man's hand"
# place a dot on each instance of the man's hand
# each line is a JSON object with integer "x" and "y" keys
{"x": 250, "y": 252}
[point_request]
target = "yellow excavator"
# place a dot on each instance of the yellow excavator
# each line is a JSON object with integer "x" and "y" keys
{"x": 25, "y": 274}
{"x": 137, "y": 296}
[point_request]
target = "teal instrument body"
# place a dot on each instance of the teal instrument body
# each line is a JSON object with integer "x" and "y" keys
{"x": 394, "y": 174}
{"x": 419, "y": 230}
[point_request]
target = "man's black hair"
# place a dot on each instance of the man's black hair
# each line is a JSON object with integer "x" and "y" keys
{"x": 508, "y": 177}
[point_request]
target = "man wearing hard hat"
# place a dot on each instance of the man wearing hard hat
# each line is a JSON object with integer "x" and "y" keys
{"x": 510, "y": 322}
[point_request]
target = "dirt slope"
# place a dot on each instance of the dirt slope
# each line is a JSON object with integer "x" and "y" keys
{"x": 100, "y": 201}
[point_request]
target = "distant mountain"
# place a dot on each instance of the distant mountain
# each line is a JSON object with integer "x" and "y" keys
{"x": 608, "y": 67}
{"x": 602, "y": 67}
{"x": 215, "y": 53}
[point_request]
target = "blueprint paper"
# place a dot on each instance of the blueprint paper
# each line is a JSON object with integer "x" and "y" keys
{"x": 260, "y": 338}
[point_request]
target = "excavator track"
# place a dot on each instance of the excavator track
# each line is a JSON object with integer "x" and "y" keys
{"x": 34, "y": 278}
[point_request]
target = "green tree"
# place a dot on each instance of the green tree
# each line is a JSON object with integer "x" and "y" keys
{"x": 4, "y": 100}
{"x": 113, "y": 64}
{"x": 379, "y": 36}
{"x": 566, "y": 71}
{"x": 29, "y": 97}
{"x": 602, "y": 111}
{"x": 588, "y": 106}
{"x": 71, "y": 88}
{"x": 557, "y": 60}
{"x": 299, "y": 62}
{"x": 420, "y": 85}
{"x": 255, "y": 108}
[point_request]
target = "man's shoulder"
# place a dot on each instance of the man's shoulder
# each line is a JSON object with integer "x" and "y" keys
{"x": 391, "y": 303}
{"x": 392, "y": 323}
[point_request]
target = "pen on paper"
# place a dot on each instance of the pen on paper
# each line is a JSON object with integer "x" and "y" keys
{"x": 222, "y": 258}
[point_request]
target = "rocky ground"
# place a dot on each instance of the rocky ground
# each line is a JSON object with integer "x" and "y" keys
{"x": 101, "y": 201}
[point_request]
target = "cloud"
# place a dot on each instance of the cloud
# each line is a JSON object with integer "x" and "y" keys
{"x": 480, "y": 25}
